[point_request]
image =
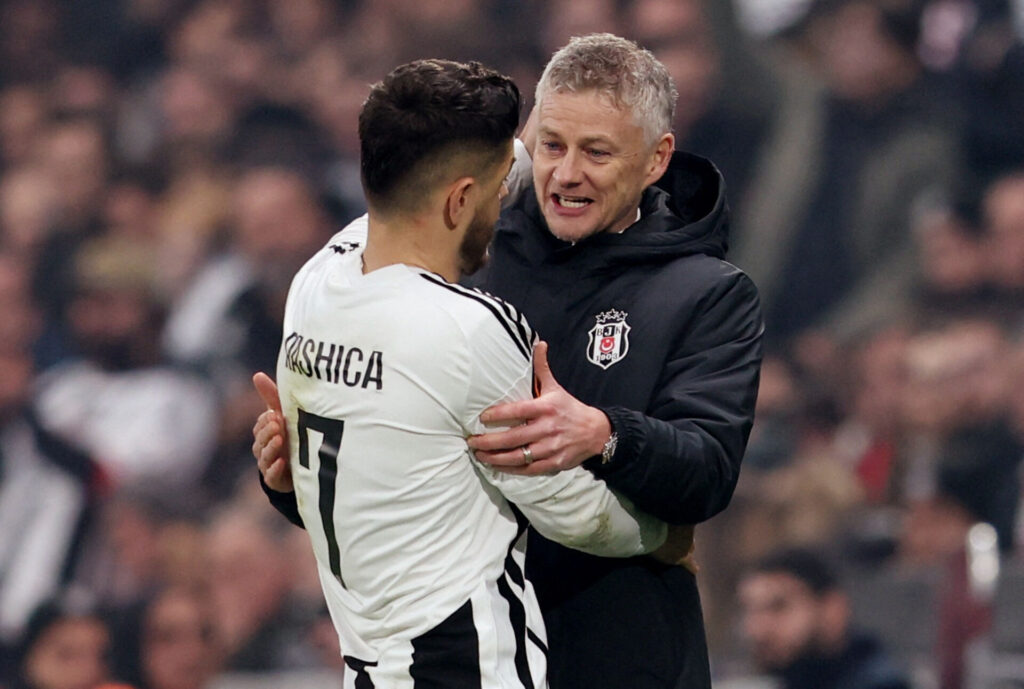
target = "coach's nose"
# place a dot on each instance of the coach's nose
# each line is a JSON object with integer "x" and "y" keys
{"x": 569, "y": 170}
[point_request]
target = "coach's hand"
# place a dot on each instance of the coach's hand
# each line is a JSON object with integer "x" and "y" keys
{"x": 550, "y": 433}
{"x": 678, "y": 548}
{"x": 269, "y": 446}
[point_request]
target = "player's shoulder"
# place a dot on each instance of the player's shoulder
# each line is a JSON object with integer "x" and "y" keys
{"x": 347, "y": 242}
{"x": 480, "y": 315}
{"x": 350, "y": 238}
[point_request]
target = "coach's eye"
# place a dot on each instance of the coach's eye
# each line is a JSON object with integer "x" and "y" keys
{"x": 551, "y": 146}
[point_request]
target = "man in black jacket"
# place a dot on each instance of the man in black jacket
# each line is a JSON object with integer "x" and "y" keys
{"x": 616, "y": 258}
{"x": 617, "y": 261}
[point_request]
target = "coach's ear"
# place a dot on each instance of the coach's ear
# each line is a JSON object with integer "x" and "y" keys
{"x": 459, "y": 205}
{"x": 661, "y": 156}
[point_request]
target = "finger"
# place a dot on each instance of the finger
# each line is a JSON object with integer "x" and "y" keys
{"x": 510, "y": 439}
{"x": 541, "y": 368}
{"x": 262, "y": 432}
{"x": 263, "y": 420}
{"x": 271, "y": 452}
{"x": 273, "y": 472}
{"x": 514, "y": 456}
{"x": 268, "y": 391}
{"x": 499, "y": 460}
{"x": 279, "y": 477}
{"x": 278, "y": 470}
{"x": 513, "y": 412}
{"x": 269, "y": 430}
{"x": 546, "y": 467}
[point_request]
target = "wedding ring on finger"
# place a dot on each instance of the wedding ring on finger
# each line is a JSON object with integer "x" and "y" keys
{"x": 527, "y": 454}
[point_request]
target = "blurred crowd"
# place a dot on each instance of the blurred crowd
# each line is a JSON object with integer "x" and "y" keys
{"x": 166, "y": 166}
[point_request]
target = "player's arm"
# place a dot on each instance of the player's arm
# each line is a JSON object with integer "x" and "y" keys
{"x": 579, "y": 511}
{"x": 572, "y": 508}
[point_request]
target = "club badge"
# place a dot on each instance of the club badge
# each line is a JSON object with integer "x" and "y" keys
{"x": 609, "y": 339}
{"x": 345, "y": 247}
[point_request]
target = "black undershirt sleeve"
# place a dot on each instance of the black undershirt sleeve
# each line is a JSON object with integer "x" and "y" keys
{"x": 285, "y": 503}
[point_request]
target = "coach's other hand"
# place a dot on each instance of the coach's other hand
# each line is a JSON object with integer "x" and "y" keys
{"x": 269, "y": 446}
{"x": 678, "y": 548}
{"x": 557, "y": 431}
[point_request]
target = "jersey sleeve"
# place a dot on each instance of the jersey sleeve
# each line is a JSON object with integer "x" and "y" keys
{"x": 572, "y": 507}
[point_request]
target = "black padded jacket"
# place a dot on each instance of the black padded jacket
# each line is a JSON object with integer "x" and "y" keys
{"x": 655, "y": 328}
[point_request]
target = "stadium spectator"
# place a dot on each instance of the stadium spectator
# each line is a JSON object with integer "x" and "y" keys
{"x": 254, "y": 617}
{"x": 177, "y": 647}
{"x": 569, "y": 18}
{"x": 718, "y": 115}
{"x": 959, "y": 440}
{"x": 797, "y": 620}
{"x": 837, "y": 245}
{"x": 986, "y": 70}
{"x": 29, "y": 39}
{"x": 140, "y": 541}
{"x": 47, "y": 488}
{"x": 953, "y": 263}
{"x": 115, "y": 397}
{"x": 65, "y": 646}
{"x": 1003, "y": 209}
{"x": 227, "y": 321}
{"x": 23, "y": 113}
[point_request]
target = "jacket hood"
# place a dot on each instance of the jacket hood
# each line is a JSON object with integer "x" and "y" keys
{"x": 683, "y": 213}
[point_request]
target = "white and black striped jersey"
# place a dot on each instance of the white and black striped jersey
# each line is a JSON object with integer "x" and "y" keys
{"x": 382, "y": 377}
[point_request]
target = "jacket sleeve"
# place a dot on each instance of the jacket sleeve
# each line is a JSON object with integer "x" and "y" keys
{"x": 680, "y": 460}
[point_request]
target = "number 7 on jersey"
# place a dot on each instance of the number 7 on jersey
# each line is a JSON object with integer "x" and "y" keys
{"x": 331, "y": 431}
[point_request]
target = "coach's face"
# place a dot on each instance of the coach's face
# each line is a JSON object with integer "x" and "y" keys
{"x": 592, "y": 164}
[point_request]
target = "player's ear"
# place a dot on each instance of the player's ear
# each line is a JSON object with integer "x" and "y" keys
{"x": 459, "y": 206}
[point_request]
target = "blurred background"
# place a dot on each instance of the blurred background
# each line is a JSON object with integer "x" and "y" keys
{"x": 166, "y": 165}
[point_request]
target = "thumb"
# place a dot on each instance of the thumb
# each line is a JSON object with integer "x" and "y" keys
{"x": 268, "y": 391}
{"x": 545, "y": 379}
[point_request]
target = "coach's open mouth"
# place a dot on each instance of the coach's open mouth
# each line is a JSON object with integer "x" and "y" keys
{"x": 571, "y": 201}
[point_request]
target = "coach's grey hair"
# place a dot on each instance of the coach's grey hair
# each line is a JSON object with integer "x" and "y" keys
{"x": 618, "y": 67}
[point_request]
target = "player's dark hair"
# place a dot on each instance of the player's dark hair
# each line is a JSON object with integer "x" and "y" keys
{"x": 810, "y": 567}
{"x": 425, "y": 110}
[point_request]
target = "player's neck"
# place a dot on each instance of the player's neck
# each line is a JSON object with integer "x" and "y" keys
{"x": 390, "y": 243}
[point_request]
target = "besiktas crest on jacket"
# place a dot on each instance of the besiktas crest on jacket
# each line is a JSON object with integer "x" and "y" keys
{"x": 609, "y": 338}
